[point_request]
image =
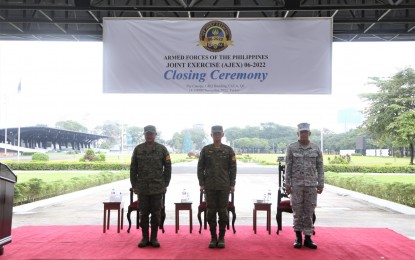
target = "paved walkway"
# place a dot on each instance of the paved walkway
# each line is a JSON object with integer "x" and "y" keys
{"x": 336, "y": 207}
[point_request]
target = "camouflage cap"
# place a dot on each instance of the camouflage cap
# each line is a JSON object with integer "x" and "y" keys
{"x": 303, "y": 127}
{"x": 217, "y": 129}
{"x": 150, "y": 128}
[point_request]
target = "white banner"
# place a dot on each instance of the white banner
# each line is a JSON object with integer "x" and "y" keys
{"x": 276, "y": 56}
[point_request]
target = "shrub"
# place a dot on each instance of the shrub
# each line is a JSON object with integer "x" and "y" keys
{"x": 100, "y": 157}
{"x": 369, "y": 168}
{"x": 343, "y": 159}
{"x": 40, "y": 157}
{"x": 245, "y": 158}
{"x": 398, "y": 154}
{"x": 401, "y": 193}
{"x": 64, "y": 166}
{"x": 89, "y": 155}
{"x": 36, "y": 189}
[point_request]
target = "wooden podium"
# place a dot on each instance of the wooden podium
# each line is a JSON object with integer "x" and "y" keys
{"x": 7, "y": 181}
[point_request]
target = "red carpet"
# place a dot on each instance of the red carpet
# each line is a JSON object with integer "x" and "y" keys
{"x": 88, "y": 242}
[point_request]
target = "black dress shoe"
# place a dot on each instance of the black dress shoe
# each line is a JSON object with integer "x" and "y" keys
{"x": 309, "y": 243}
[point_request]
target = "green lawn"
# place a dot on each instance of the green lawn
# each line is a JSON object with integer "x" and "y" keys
{"x": 372, "y": 160}
{"x": 382, "y": 178}
{"x": 51, "y": 176}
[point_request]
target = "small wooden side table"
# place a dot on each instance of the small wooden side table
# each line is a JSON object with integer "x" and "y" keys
{"x": 108, "y": 206}
{"x": 184, "y": 206}
{"x": 263, "y": 207}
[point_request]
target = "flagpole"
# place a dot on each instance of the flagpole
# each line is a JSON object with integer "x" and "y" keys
{"x": 19, "y": 89}
{"x": 5, "y": 125}
{"x": 122, "y": 137}
{"x": 5, "y": 141}
{"x": 18, "y": 144}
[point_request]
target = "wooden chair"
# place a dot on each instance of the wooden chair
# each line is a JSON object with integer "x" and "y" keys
{"x": 202, "y": 208}
{"x": 163, "y": 213}
{"x": 134, "y": 206}
{"x": 283, "y": 203}
{"x": 231, "y": 208}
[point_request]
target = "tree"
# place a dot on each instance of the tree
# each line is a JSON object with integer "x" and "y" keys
{"x": 135, "y": 135}
{"x": 404, "y": 127}
{"x": 189, "y": 139}
{"x": 71, "y": 126}
{"x": 187, "y": 142}
{"x": 176, "y": 142}
{"x": 233, "y": 133}
{"x": 390, "y": 115}
{"x": 254, "y": 145}
{"x": 277, "y": 136}
{"x": 112, "y": 129}
{"x": 199, "y": 137}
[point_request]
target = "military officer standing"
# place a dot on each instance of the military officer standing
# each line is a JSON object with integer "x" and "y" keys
{"x": 304, "y": 176}
{"x": 216, "y": 171}
{"x": 150, "y": 174}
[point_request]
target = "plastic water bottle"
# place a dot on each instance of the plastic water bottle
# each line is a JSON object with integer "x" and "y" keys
{"x": 184, "y": 195}
{"x": 269, "y": 196}
{"x": 112, "y": 196}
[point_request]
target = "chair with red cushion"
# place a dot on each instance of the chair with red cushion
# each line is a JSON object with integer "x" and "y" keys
{"x": 283, "y": 203}
{"x": 202, "y": 208}
{"x": 134, "y": 206}
{"x": 163, "y": 213}
{"x": 231, "y": 208}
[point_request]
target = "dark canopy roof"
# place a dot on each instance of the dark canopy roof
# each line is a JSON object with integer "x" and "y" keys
{"x": 81, "y": 20}
{"x": 43, "y": 135}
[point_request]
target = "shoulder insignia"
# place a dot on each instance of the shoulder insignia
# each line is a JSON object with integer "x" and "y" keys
{"x": 168, "y": 158}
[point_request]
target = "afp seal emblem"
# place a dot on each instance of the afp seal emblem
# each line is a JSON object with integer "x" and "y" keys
{"x": 215, "y": 36}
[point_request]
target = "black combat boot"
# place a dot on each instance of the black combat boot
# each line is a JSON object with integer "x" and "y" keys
{"x": 309, "y": 243}
{"x": 154, "y": 242}
{"x": 298, "y": 240}
{"x": 214, "y": 239}
{"x": 221, "y": 240}
{"x": 144, "y": 241}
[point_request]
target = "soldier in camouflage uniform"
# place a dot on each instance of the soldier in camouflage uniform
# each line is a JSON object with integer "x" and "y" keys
{"x": 304, "y": 175}
{"x": 216, "y": 171}
{"x": 150, "y": 174}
